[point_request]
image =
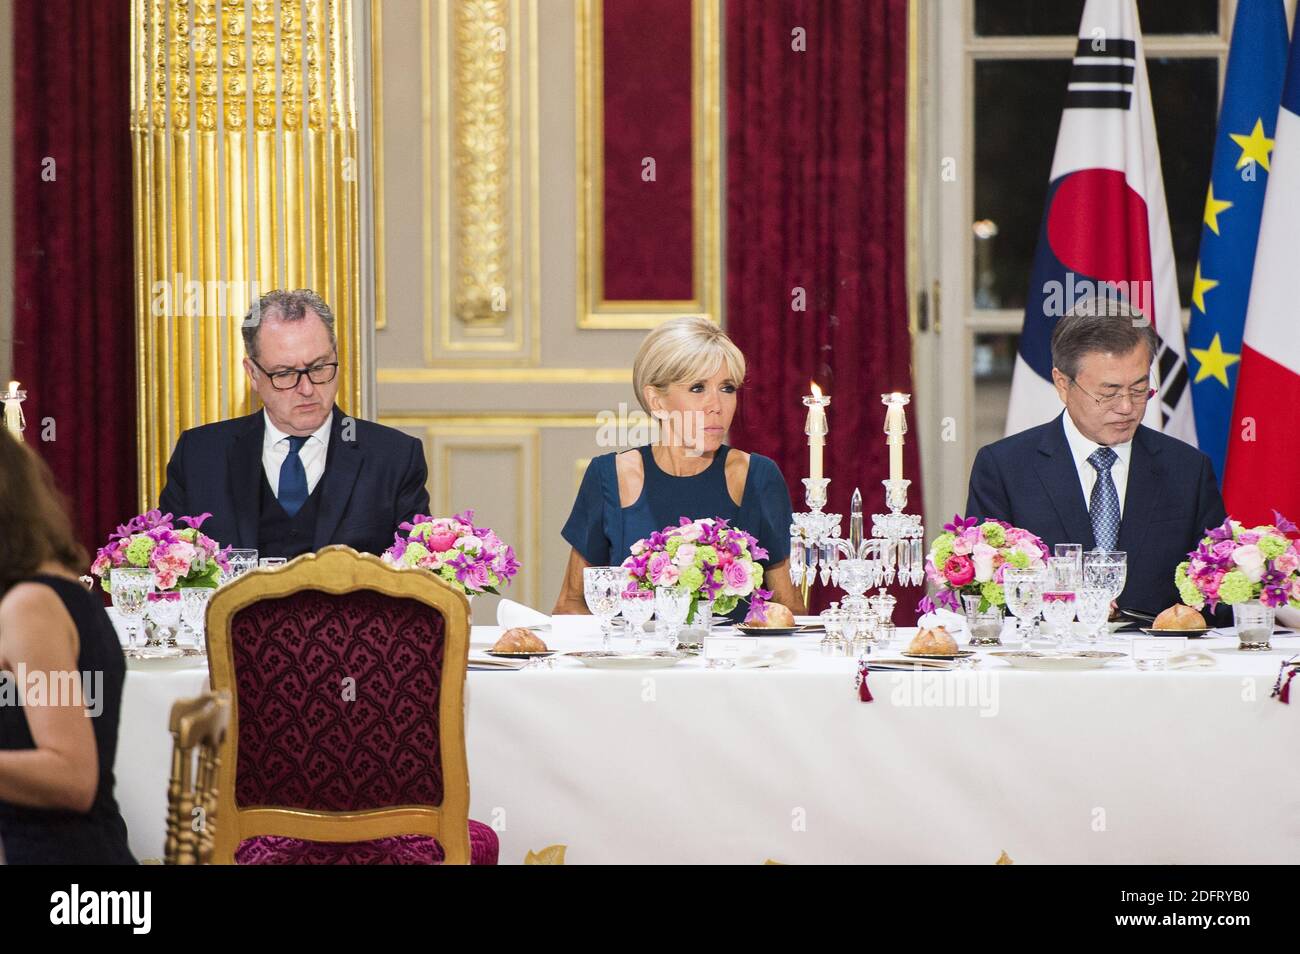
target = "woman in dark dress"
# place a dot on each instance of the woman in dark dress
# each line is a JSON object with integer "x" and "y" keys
{"x": 686, "y": 375}
{"x": 58, "y": 727}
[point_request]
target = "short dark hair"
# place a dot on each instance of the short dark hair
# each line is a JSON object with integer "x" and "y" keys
{"x": 1100, "y": 325}
{"x": 286, "y": 306}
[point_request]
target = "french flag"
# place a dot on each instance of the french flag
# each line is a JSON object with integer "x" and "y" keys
{"x": 1105, "y": 229}
{"x": 1263, "y": 466}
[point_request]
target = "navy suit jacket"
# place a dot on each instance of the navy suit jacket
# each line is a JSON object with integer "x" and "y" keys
{"x": 374, "y": 480}
{"x": 1030, "y": 481}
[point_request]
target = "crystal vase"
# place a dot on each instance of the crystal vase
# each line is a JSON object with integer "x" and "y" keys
{"x": 1254, "y": 622}
{"x": 985, "y": 628}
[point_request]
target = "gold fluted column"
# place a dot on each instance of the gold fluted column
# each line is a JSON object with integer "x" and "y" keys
{"x": 244, "y": 138}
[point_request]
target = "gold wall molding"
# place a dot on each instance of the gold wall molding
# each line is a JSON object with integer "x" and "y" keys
{"x": 480, "y": 177}
{"x": 220, "y": 219}
{"x": 594, "y": 310}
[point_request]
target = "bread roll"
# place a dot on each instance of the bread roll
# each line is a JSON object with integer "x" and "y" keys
{"x": 519, "y": 640}
{"x": 778, "y": 615}
{"x": 1179, "y": 616}
{"x": 933, "y": 642}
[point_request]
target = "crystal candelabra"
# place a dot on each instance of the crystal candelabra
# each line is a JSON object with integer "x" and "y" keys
{"x": 893, "y": 552}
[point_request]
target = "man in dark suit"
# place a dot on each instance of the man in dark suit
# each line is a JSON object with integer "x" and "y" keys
{"x": 1096, "y": 475}
{"x": 297, "y": 475}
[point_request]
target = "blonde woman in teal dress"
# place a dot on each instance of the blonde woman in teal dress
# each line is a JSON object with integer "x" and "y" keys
{"x": 687, "y": 375}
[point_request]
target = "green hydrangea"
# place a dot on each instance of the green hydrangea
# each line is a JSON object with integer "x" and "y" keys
{"x": 1018, "y": 559}
{"x": 422, "y": 531}
{"x": 942, "y": 549}
{"x": 756, "y": 574}
{"x": 188, "y": 534}
{"x": 1272, "y": 546}
{"x": 415, "y": 552}
{"x": 674, "y": 544}
{"x": 725, "y": 604}
{"x": 692, "y": 578}
{"x": 705, "y": 554}
{"x": 448, "y": 573}
{"x": 1187, "y": 590}
{"x": 993, "y": 592}
{"x": 1235, "y": 588}
{"x": 138, "y": 550}
{"x": 993, "y": 534}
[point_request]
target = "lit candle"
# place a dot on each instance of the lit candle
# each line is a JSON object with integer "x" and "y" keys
{"x": 816, "y": 429}
{"x": 13, "y": 401}
{"x": 895, "y": 428}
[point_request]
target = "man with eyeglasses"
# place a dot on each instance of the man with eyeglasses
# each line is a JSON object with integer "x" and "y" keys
{"x": 1096, "y": 475}
{"x": 297, "y": 475}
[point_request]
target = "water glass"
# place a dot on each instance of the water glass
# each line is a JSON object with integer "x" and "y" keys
{"x": 194, "y": 611}
{"x": 1106, "y": 569}
{"x": 239, "y": 563}
{"x": 131, "y": 589}
{"x": 1093, "y": 608}
{"x": 1024, "y": 593}
{"x": 269, "y": 562}
{"x": 1074, "y": 552}
{"x": 637, "y": 606}
{"x": 672, "y": 603}
{"x": 603, "y": 586}
{"x": 1058, "y": 611}
{"x": 164, "y": 611}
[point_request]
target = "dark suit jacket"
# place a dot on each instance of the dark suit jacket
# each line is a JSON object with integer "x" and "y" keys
{"x": 372, "y": 482}
{"x": 1030, "y": 480}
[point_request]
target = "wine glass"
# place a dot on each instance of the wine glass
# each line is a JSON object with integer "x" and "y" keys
{"x": 1024, "y": 593}
{"x": 638, "y": 606}
{"x": 239, "y": 562}
{"x": 602, "y": 586}
{"x": 131, "y": 589}
{"x": 672, "y": 603}
{"x": 1107, "y": 570}
{"x": 1075, "y": 552}
{"x": 1093, "y": 606}
{"x": 194, "y": 611}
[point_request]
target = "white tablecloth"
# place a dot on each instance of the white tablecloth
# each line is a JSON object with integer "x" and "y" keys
{"x": 689, "y": 765}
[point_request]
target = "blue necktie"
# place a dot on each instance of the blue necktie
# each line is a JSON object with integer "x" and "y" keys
{"x": 1104, "y": 505}
{"x": 293, "y": 478}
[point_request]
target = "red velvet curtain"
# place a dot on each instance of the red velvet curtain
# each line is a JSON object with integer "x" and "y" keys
{"x": 74, "y": 324}
{"x": 816, "y": 134}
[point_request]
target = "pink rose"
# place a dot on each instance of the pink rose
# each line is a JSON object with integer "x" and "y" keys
{"x": 661, "y": 570}
{"x": 689, "y": 533}
{"x": 1250, "y": 561}
{"x": 1295, "y": 589}
{"x": 1248, "y": 537}
{"x": 438, "y": 542}
{"x": 959, "y": 570}
{"x": 685, "y": 554}
{"x": 1286, "y": 562}
{"x": 961, "y": 547}
{"x": 736, "y": 579}
{"x": 1223, "y": 549}
{"x": 982, "y": 557}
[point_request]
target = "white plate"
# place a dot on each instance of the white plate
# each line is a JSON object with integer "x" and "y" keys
{"x": 1058, "y": 662}
{"x": 600, "y": 659}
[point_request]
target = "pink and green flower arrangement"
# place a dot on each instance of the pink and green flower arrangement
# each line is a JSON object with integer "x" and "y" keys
{"x": 969, "y": 558}
{"x": 177, "y": 557}
{"x": 472, "y": 559}
{"x": 1235, "y": 564}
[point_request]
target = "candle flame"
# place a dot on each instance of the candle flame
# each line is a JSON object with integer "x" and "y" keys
{"x": 816, "y": 391}
{"x": 13, "y": 387}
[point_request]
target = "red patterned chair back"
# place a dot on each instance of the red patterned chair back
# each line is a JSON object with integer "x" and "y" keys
{"x": 348, "y": 679}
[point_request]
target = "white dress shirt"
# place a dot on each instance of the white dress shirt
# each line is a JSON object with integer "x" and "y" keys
{"x": 275, "y": 448}
{"x": 1081, "y": 448}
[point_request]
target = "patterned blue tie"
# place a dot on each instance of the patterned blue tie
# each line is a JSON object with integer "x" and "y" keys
{"x": 1104, "y": 505}
{"x": 293, "y": 479}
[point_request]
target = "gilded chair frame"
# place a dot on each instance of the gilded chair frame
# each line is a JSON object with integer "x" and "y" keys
{"x": 198, "y": 727}
{"x": 337, "y": 570}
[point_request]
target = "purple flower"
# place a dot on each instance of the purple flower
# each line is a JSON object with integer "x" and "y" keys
{"x": 1283, "y": 524}
{"x": 958, "y": 524}
{"x": 195, "y": 522}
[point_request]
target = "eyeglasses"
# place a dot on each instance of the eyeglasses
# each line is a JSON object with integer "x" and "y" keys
{"x": 1137, "y": 396}
{"x": 289, "y": 379}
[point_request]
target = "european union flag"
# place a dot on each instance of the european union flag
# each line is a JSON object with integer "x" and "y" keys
{"x": 1242, "y": 148}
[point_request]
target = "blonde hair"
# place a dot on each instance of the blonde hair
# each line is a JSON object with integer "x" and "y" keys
{"x": 684, "y": 349}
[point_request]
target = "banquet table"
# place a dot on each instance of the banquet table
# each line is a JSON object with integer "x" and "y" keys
{"x": 699, "y": 765}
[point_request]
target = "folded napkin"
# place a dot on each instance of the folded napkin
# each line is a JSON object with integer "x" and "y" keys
{"x": 1192, "y": 659}
{"x": 511, "y": 614}
{"x": 953, "y": 622}
{"x": 782, "y": 657}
